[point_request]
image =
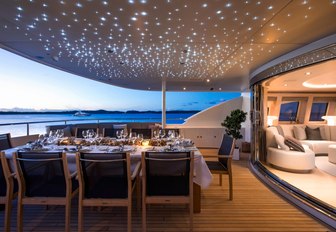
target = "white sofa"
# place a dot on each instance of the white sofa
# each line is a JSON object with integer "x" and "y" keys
{"x": 294, "y": 161}
{"x": 328, "y": 135}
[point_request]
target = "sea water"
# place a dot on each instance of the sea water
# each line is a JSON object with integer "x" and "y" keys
{"x": 46, "y": 119}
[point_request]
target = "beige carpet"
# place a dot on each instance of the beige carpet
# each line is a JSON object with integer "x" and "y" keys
{"x": 323, "y": 164}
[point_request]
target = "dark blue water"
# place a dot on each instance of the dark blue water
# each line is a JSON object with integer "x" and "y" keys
{"x": 20, "y": 130}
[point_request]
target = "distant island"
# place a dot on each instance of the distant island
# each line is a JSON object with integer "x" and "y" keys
{"x": 102, "y": 112}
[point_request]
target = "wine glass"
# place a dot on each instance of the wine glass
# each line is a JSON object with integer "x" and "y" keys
{"x": 162, "y": 133}
{"x": 156, "y": 134}
{"x": 171, "y": 134}
{"x": 119, "y": 133}
{"x": 133, "y": 137}
{"x": 124, "y": 134}
{"x": 85, "y": 134}
{"x": 140, "y": 138}
{"x": 99, "y": 138}
{"x": 90, "y": 133}
{"x": 59, "y": 133}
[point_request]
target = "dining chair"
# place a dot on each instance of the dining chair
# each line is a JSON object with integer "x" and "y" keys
{"x": 106, "y": 179}
{"x": 222, "y": 165}
{"x": 146, "y": 132}
{"x": 5, "y": 141}
{"x": 79, "y": 131}
{"x": 167, "y": 178}
{"x": 44, "y": 179}
{"x": 8, "y": 189}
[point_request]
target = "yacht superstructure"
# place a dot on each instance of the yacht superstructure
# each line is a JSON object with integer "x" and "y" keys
{"x": 279, "y": 54}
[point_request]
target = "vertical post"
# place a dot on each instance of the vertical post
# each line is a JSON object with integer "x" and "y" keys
{"x": 163, "y": 103}
{"x": 27, "y": 128}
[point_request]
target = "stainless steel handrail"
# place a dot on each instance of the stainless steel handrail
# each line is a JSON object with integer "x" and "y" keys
{"x": 98, "y": 120}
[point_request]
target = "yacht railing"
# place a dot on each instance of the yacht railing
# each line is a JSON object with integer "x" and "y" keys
{"x": 29, "y": 126}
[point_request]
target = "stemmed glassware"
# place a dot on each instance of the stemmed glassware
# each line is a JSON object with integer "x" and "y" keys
{"x": 120, "y": 134}
{"x": 171, "y": 134}
{"x": 162, "y": 133}
{"x": 52, "y": 138}
{"x": 85, "y": 134}
{"x": 42, "y": 139}
{"x": 124, "y": 134}
{"x": 156, "y": 134}
{"x": 133, "y": 137}
{"x": 140, "y": 138}
{"x": 91, "y": 134}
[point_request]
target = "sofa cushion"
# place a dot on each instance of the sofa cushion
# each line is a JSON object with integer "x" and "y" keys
{"x": 294, "y": 144}
{"x": 300, "y": 132}
{"x": 270, "y": 139}
{"x": 318, "y": 146}
{"x": 332, "y": 130}
{"x": 281, "y": 142}
{"x": 324, "y": 131}
{"x": 287, "y": 130}
{"x": 313, "y": 134}
{"x": 280, "y": 130}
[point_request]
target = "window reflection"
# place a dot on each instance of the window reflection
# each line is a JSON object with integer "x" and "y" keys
{"x": 318, "y": 110}
{"x": 288, "y": 111}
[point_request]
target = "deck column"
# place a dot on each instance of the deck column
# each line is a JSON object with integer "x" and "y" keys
{"x": 163, "y": 103}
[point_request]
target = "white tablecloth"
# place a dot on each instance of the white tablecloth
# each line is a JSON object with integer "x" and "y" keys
{"x": 202, "y": 174}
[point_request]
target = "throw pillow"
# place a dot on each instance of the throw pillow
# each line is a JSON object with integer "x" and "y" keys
{"x": 294, "y": 144}
{"x": 299, "y": 132}
{"x": 313, "y": 134}
{"x": 281, "y": 142}
{"x": 280, "y": 130}
{"x": 323, "y": 132}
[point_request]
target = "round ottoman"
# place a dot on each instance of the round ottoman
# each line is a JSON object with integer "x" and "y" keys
{"x": 332, "y": 153}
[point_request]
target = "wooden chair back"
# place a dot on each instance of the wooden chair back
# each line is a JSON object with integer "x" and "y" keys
{"x": 104, "y": 180}
{"x": 8, "y": 189}
{"x": 167, "y": 178}
{"x": 44, "y": 179}
{"x": 5, "y": 141}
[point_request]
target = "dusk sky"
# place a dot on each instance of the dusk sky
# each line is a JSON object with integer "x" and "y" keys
{"x": 29, "y": 85}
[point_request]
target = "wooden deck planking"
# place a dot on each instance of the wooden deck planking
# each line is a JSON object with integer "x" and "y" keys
{"x": 254, "y": 208}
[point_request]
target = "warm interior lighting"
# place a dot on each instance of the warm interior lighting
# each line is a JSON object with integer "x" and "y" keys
{"x": 331, "y": 120}
{"x": 145, "y": 143}
{"x": 270, "y": 120}
{"x": 318, "y": 86}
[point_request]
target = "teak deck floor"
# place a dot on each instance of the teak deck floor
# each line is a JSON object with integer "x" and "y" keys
{"x": 254, "y": 208}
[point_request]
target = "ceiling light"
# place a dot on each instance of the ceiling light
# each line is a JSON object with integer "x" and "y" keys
{"x": 318, "y": 86}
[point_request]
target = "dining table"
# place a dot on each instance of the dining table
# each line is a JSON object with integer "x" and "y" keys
{"x": 202, "y": 175}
